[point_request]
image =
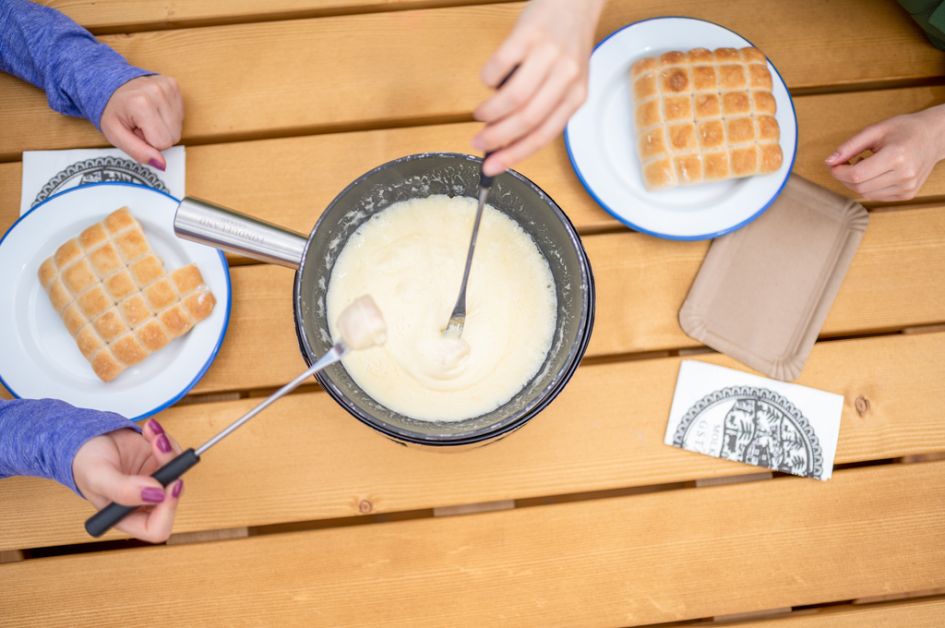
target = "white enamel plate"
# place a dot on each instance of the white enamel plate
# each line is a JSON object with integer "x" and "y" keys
{"x": 40, "y": 359}
{"x": 601, "y": 140}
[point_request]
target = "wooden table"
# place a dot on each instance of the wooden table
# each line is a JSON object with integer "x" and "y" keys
{"x": 582, "y": 518}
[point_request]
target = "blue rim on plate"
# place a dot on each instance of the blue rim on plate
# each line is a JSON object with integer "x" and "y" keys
{"x": 226, "y": 273}
{"x": 666, "y": 236}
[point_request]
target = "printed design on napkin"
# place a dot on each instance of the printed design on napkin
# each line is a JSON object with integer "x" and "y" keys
{"x": 50, "y": 172}
{"x": 753, "y": 425}
{"x": 738, "y": 416}
{"x": 97, "y": 170}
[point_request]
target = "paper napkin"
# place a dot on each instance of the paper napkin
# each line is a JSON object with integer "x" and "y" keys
{"x": 729, "y": 414}
{"x": 48, "y": 172}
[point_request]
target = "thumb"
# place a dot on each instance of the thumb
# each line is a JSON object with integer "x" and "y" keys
{"x": 867, "y": 139}
{"x": 134, "y": 144}
{"x": 128, "y": 490}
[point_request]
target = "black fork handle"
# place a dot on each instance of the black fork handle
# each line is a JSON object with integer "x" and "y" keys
{"x": 109, "y": 516}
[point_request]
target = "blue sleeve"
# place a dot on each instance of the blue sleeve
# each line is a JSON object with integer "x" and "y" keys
{"x": 46, "y": 48}
{"x": 40, "y": 437}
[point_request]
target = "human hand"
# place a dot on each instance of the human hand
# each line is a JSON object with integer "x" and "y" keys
{"x": 143, "y": 117}
{"x": 549, "y": 50}
{"x": 905, "y": 149}
{"x": 116, "y": 467}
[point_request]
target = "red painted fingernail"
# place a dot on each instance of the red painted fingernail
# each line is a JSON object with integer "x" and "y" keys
{"x": 163, "y": 444}
{"x": 157, "y": 164}
{"x": 152, "y": 495}
{"x": 178, "y": 487}
{"x": 155, "y": 426}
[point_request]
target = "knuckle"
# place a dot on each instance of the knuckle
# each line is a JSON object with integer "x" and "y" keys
{"x": 570, "y": 69}
{"x": 529, "y": 118}
{"x": 517, "y": 98}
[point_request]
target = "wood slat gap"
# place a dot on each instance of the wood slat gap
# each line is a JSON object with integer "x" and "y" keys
{"x": 867, "y": 86}
{"x": 11, "y": 556}
{"x": 283, "y": 16}
{"x": 341, "y": 522}
{"x": 469, "y": 509}
{"x": 736, "y": 479}
{"x": 331, "y": 128}
{"x": 878, "y": 600}
{"x": 230, "y": 395}
{"x": 924, "y": 329}
{"x": 204, "y": 536}
{"x": 770, "y": 613}
{"x": 588, "y": 361}
{"x": 825, "y": 610}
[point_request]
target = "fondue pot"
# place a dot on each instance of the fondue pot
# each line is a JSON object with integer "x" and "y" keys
{"x": 314, "y": 257}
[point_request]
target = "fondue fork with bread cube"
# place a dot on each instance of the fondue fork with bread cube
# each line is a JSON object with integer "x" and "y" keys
{"x": 115, "y": 297}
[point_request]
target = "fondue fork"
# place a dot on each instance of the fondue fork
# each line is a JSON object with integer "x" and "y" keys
{"x": 110, "y": 515}
{"x": 458, "y": 318}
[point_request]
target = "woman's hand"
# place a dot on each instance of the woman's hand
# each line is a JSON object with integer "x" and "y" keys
{"x": 905, "y": 149}
{"x": 549, "y": 50}
{"x": 116, "y": 467}
{"x": 143, "y": 117}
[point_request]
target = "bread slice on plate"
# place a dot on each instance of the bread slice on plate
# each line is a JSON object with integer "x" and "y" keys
{"x": 116, "y": 298}
{"x": 705, "y": 115}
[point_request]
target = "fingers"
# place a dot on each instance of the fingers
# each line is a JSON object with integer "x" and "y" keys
{"x": 865, "y": 187}
{"x": 874, "y": 166}
{"x": 155, "y": 525}
{"x": 163, "y": 446}
{"x": 126, "y": 139}
{"x": 129, "y": 490}
{"x": 503, "y": 159}
{"x": 527, "y": 80}
{"x": 869, "y": 138}
{"x": 527, "y": 119}
{"x": 154, "y": 522}
{"x": 157, "y": 133}
{"x": 143, "y": 117}
{"x": 509, "y": 55}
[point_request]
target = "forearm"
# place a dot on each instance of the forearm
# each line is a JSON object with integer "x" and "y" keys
{"x": 40, "y": 437}
{"x": 46, "y": 48}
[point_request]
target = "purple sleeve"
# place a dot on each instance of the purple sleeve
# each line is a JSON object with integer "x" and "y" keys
{"x": 46, "y": 48}
{"x": 40, "y": 437}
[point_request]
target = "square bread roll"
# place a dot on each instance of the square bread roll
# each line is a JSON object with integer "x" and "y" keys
{"x": 705, "y": 115}
{"x": 115, "y": 297}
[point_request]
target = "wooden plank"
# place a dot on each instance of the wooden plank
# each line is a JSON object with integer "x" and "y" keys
{"x": 289, "y": 180}
{"x": 113, "y": 16}
{"x": 254, "y": 80}
{"x": 912, "y": 613}
{"x": 888, "y": 286}
{"x": 623, "y": 561}
{"x": 308, "y": 459}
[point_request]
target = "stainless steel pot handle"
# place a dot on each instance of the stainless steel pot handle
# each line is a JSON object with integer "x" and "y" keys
{"x": 232, "y": 231}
